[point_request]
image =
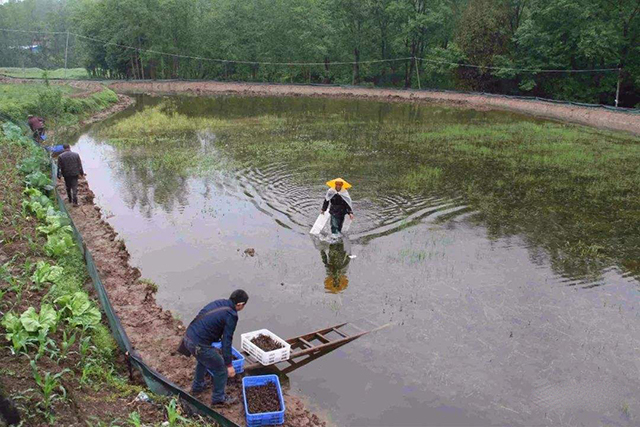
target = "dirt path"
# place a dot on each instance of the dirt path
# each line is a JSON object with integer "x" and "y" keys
{"x": 597, "y": 117}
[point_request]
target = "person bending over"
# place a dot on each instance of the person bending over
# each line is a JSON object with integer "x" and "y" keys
{"x": 37, "y": 127}
{"x": 214, "y": 323}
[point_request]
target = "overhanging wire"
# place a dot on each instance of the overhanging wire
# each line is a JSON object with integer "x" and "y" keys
{"x": 307, "y": 64}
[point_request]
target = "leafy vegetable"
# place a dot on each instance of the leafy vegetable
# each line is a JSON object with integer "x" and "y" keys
{"x": 30, "y": 327}
{"x": 78, "y": 310}
{"x": 55, "y": 223}
{"x": 39, "y": 180}
{"x": 34, "y": 322}
{"x": 11, "y": 323}
{"x": 46, "y": 273}
{"x": 58, "y": 244}
{"x": 32, "y": 164}
{"x": 36, "y": 207}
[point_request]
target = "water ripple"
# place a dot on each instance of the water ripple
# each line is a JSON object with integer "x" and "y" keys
{"x": 276, "y": 190}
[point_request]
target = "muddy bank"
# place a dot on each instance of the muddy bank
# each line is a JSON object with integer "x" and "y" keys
{"x": 63, "y": 135}
{"x": 123, "y": 103}
{"x": 596, "y": 117}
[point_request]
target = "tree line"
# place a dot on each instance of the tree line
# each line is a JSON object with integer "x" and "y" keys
{"x": 496, "y": 46}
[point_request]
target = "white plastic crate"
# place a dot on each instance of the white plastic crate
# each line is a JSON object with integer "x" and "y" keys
{"x": 265, "y": 357}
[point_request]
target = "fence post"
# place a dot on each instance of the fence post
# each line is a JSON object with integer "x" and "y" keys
{"x": 417, "y": 72}
{"x": 618, "y": 86}
{"x": 66, "y": 52}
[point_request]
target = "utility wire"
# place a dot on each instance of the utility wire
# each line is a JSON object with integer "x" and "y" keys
{"x": 532, "y": 70}
{"x": 236, "y": 61}
{"x": 375, "y": 61}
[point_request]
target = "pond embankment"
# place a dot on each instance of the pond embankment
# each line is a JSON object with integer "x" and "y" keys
{"x": 588, "y": 116}
{"x": 596, "y": 117}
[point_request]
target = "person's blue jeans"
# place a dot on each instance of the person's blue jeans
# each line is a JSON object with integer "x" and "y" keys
{"x": 336, "y": 223}
{"x": 210, "y": 360}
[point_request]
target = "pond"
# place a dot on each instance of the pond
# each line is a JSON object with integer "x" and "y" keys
{"x": 504, "y": 250}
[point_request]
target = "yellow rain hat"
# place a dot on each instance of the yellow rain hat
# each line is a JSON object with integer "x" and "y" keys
{"x": 345, "y": 184}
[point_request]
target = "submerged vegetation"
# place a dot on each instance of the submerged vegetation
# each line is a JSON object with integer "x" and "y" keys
{"x": 566, "y": 188}
{"x": 158, "y": 124}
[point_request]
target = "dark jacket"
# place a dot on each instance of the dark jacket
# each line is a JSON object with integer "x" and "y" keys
{"x": 69, "y": 164}
{"x": 338, "y": 206}
{"x": 36, "y": 123}
{"x": 216, "y": 326}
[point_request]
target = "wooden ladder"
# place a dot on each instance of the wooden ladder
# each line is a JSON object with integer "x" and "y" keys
{"x": 304, "y": 348}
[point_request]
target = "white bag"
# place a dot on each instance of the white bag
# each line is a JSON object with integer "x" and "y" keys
{"x": 320, "y": 223}
{"x": 346, "y": 224}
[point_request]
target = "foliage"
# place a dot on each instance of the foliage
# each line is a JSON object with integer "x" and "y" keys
{"x": 39, "y": 180}
{"x": 134, "y": 419}
{"x": 339, "y": 37}
{"x": 36, "y": 73}
{"x": 49, "y": 101}
{"x": 31, "y": 327}
{"x": 58, "y": 244}
{"x": 51, "y": 389}
{"x": 55, "y": 224}
{"x": 421, "y": 179}
{"x": 46, "y": 273}
{"x": 78, "y": 310}
{"x": 158, "y": 124}
{"x": 173, "y": 413}
{"x": 33, "y": 321}
{"x": 33, "y": 164}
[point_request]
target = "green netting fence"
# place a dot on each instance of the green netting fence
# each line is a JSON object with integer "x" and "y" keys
{"x": 155, "y": 381}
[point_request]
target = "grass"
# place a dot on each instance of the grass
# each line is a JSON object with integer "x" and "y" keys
{"x": 38, "y": 73}
{"x": 51, "y": 102}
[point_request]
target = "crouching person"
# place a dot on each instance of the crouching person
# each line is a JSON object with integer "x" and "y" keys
{"x": 216, "y": 322}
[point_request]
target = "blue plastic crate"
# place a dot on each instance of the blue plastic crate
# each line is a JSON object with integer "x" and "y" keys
{"x": 238, "y": 363}
{"x": 265, "y": 418}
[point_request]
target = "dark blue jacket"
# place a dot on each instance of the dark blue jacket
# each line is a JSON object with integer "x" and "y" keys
{"x": 216, "y": 326}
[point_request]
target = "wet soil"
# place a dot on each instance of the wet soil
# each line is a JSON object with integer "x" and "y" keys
{"x": 154, "y": 332}
{"x": 263, "y": 398}
{"x": 266, "y": 343}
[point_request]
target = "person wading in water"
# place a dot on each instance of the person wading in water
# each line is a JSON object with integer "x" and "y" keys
{"x": 216, "y": 322}
{"x": 340, "y": 201}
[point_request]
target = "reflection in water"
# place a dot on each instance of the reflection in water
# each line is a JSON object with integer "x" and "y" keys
{"x": 335, "y": 256}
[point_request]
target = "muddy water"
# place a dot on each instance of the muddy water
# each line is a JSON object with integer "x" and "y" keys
{"x": 486, "y": 328}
